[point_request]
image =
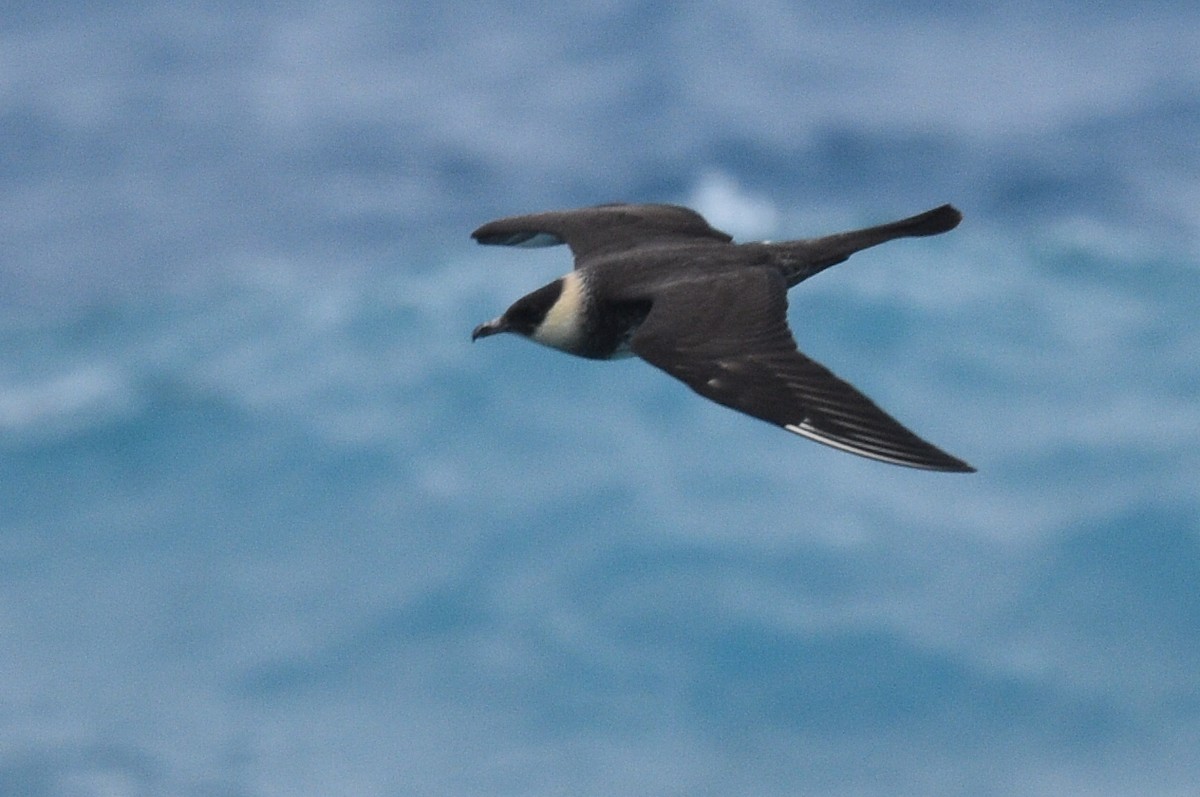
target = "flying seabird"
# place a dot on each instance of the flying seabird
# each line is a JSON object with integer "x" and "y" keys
{"x": 658, "y": 282}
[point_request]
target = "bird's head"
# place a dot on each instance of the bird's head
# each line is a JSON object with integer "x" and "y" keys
{"x": 526, "y": 315}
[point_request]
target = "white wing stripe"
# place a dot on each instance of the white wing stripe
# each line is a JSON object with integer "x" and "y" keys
{"x": 813, "y": 434}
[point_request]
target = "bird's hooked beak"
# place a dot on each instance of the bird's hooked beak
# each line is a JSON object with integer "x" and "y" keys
{"x": 489, "y": 328}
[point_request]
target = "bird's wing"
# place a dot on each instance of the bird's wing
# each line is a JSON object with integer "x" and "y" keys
{"x": 602, "y": 230}
{"x": 727, "y": 338}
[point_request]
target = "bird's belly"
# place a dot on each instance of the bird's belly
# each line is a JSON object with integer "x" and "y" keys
{"x": 622, "y": 352}
{"x": 607, "y": 350}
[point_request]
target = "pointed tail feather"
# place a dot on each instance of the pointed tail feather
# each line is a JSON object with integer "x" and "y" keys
{"x": 931, "y": 222}
{"x": 802, "y": 259}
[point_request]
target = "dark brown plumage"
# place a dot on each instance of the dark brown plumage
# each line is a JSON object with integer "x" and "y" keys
{"x": 658, "y": 282}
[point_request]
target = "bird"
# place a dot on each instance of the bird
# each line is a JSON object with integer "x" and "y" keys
{"x": 656, "y": 281}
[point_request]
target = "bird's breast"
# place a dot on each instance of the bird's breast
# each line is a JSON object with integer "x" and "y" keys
{"x": 583, "y": 321}
{"x": 610, "y": 328}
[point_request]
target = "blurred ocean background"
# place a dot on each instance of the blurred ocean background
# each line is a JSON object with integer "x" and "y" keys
{"x": 271, "y": 525}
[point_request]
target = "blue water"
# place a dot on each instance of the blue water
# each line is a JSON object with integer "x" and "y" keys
{"x": 271, "y": 525}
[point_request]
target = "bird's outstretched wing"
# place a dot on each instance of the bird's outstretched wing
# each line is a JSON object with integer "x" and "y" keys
{"x": 602, "y": 230}
{"x": 727, "y": 338}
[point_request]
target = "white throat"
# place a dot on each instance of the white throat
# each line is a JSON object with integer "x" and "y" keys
{"x": 562, "y": 327}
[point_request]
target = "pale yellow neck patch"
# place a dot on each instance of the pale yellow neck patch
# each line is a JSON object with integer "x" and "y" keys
{"x": 563, "y": 325}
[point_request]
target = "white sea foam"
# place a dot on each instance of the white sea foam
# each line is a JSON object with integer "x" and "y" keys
{"x": 78, "y": 396}
{"x": 727, "y": 206}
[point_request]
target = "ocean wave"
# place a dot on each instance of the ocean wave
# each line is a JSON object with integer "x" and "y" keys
{"x": 180, "y": 151}
{"x": 91, "y": 393}
{"x": 251, "y": 457}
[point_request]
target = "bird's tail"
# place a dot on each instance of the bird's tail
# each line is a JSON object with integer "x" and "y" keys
{"x": 802, "y": 259}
